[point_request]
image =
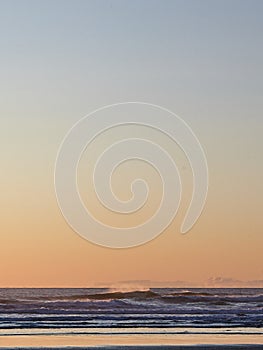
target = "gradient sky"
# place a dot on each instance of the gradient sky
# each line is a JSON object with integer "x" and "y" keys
{"x": 61, "y": 60}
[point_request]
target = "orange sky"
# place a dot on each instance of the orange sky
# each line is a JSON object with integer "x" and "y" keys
{"x": 59, "y": 64}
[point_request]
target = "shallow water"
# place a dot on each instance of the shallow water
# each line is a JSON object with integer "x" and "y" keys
{"x": 155, "y": 313}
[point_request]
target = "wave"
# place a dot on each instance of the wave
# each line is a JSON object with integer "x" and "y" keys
{"x": 192, "y": 293}
{"x": 173, "y": 297}
{"x": 118, "y": 295}
{"x": 86, "y": 297}
{"x": 147, "y": 308}
{"x": 8, "y": 301}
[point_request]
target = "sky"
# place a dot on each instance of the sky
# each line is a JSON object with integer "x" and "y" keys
{"x": 61, "y": 60}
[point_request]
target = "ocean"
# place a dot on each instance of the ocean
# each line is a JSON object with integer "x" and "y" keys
{"x": 153, "y": 312}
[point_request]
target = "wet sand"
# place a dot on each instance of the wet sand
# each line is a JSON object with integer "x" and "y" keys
{"x": 116, "y": 342}
{"x": 148, "y": 347}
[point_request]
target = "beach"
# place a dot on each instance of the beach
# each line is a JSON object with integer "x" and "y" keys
{"x": 148, "y": 347}
{"x": 79, "y": 343}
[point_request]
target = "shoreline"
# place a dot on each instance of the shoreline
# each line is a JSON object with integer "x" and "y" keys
{"x": 145, "y": 347}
